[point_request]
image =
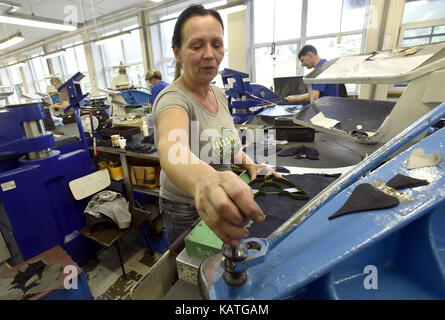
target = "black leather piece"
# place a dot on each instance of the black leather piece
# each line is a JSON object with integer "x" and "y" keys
{"x": 281, "y": 170}
{"x": 22, "y": 277}
{"x": 366, "y": 197}
{"x": 400, "y": 182}
{"x": 279, "y": 208}
{"x": 301, "y": 152}
{"x": 148, "y": 139}
{"x": 140, "y": 148}
{"x": 104, "y": 143}
{"x": 98, "y": 224}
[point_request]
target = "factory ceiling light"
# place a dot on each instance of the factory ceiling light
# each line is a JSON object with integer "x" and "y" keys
{"x": 54, "y": 53}
{"x": 233, "y": 9}
{"x": 115, "y": 36}
{"x": 157, "y": 0}
{"x": 31, "y": 21}
{"x": 12, "y": 40}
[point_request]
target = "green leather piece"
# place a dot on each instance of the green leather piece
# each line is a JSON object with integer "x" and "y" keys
{"x": 278, "y": 183}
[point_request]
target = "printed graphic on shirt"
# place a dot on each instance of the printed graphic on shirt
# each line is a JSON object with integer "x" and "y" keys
{"x": 226, "y": 146}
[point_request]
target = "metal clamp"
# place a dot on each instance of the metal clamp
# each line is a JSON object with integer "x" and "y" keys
{"x": 238, "y": 258}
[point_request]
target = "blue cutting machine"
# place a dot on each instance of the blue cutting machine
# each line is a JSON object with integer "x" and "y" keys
{"x": 37, "y": 209}
{"x": 245, "y": 99}
{"x": 395, "y": 253}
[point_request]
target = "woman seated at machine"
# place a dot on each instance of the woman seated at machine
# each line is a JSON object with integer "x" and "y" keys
{"x": 61, "y": 101}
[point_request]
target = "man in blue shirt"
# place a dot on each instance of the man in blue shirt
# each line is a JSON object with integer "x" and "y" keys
{"x": 309, "y": 58}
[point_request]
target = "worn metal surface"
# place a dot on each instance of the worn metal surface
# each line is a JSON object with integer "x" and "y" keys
{"x": 323, "y": 259}
{"x": 363, "y": 167}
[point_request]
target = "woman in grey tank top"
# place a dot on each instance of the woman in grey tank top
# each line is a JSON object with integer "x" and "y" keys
{"x": 193, "y": 187}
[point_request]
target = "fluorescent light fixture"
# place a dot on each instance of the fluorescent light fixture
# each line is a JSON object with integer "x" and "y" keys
{"x": 53, "y": 54}
{"x": 115, "y": 36}
{"x": 12, "y": 40}
{"x": 170, "y": 16}
{"x": 215, "y": 4}
{"x": 157, "y": 0}
{"x": 233, "y": 9}
{"x": 31, "y": 21}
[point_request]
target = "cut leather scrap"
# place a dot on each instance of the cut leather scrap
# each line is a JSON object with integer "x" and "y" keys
{"x": 281, "y": 169}
{"x": 400, "y": 181}
{"x": 300, "y": 152}
{"x": 366, "y": 197}
{"x": 418, "y": 159}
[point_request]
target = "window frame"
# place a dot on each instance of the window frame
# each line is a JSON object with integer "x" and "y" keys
{"x": 302, "y": 40}
{"x": 421, "y": 24}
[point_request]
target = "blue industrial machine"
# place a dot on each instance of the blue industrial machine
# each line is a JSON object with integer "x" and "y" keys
{"x": 245, "y": 99}
{"x": 37, "y": 209}
{"x": 395, "y": 253}
{"x": 135, "y": 98}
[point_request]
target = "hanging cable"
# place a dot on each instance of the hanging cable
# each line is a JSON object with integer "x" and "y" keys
{"x": 94, "y": 19}
{"x": 273, "y": 46}
{"x": 83, "y": 15}
{"x": 30, "y": 6}
{"x": 341, "y": 18}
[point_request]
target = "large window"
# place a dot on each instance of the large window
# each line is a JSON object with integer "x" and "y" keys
{"x": 39, "y": 69}
{"x": 280, "y": 64}
{"x": 423, "y": 22}
{"x": 279, "y": 33}
{"x": 16, "y": 81}
{"x": 6, "y": 82}
{"x": 126, "y": 50}
{"x": 71, "y": 62}
{"x": 167, "y": 62}
{"x": 28, "y": 77}
{"x": 326, "y": 17}
{"x": 12, "y": 79}
{"x": 423, "y": 10}
{"x": 276, "y": 20}
{"x": 423, "y": 35}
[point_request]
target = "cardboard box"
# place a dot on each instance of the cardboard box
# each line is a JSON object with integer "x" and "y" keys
{"x": 188, "y": 267}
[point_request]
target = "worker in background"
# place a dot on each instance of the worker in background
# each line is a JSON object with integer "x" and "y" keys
{"x": 309, "y": 58}
{"x": 121, "y": 81}
{"x": 192, "y": 185}
{"x": 63, "y": 97}
{"x": 154, "y": 77}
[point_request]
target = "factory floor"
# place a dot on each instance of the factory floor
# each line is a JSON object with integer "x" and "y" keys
{"x": 105, "y": 278}
{"x": 106, "y": 281}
